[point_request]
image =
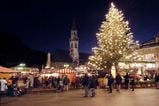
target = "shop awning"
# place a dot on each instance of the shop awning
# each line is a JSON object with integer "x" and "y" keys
{"x": 6, "y": 70}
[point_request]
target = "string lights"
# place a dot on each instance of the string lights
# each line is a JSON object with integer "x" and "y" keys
{"x": 114, "y": 40}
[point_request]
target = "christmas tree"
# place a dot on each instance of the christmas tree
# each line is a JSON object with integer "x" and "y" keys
{"x": 114, "y": 40}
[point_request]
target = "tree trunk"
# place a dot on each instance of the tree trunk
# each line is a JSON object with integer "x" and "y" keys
{"x": 116, "y": 67}
{"x": 109, "y": 67}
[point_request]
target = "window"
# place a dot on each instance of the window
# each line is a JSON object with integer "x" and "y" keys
{"x": 71, "y": 45}
{"x": 75, "y": 45}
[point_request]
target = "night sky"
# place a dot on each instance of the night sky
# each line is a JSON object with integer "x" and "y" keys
{"x": 45, "y": 24}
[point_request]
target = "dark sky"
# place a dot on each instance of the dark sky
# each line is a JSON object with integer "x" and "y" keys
{"x": 45, "y": 24}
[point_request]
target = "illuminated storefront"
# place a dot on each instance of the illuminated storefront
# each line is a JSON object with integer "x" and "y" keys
{"x": 149, "y": 58}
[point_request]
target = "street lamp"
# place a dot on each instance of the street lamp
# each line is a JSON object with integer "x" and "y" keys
{"x": 22, "y": 65}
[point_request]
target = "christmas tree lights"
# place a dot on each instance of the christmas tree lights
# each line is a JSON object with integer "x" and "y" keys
{"x": 114, "y": 40}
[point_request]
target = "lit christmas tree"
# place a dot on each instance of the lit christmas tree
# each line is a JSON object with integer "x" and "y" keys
{"x": 114, "y": 40}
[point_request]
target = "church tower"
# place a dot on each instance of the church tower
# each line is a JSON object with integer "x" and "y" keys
{"x": 73, "y": 44}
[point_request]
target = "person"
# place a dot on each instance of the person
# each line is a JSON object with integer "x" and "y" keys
{"x": 85, "y": 83}
{"x": 96, "y": 81}
{"x": 73, "y": 82}
{"x": 78, "y": 82}
{"x": 132, "y": 83}
{"x": 58, "y": 82}
{"x": 27, "y": 85}
{"x": 61, "y": 85}
{"x": 21, "y": 87}
{"x": 10, "y": 87}
{"x": 66, "y": 82}
{"x": 126, "y": 82}
{"x": 36, "y": 82}
{"x": 106, "y": 81}
{"x": 146, "y": 78}
{"x": 110, "y": 82}
{"x": 31, "y": 78}
{"x": 156, "y": 80}
{"x": 46, "y": 82}
{"x": 3, "y": 83}
{"x": 55, "y": 82}
{"x": 93, "y": 85}
{"x": 50, "y": 82}
{"x": 118, "y": 80}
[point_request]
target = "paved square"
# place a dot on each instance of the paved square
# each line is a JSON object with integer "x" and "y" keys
{"x": 141, "y": 97}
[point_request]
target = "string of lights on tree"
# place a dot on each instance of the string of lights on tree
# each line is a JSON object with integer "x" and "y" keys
{"x": 114, "y": 40}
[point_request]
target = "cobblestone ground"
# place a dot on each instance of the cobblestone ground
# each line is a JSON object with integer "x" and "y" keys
{"x": 140, "y": 97}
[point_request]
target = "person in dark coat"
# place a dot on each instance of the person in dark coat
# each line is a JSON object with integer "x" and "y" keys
{"x": 132, "y": 83}
{"x": 126, "y": 82}
{"x": 10, "y": 87}
{"x": 58, "y": 82}
{"x": 110, "y": 82}
{"x": 85, "y": 83}
{"x": 93, "y": 85}
{"x": 66, "y": 82}
{"x": 156, "y": 79}
{"x": 118, "y": 80}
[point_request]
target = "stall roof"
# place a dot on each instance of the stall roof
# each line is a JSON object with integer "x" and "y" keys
{"x": 6, "y": 70}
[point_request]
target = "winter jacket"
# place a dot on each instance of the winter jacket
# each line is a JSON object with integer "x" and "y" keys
{"x": 110, "y": 80}
{"x": 92, "y": 83}
{"x": 118, "y": 79}
{"x": 85, "y": 81}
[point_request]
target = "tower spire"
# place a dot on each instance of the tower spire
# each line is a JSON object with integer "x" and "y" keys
{"x": 74, "y": 25}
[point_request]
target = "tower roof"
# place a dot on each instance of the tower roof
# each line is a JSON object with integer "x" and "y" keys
{"x": 74, "y": 25}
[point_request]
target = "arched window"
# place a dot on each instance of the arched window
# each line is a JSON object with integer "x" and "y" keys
{"x": 75, "y": 45}
{"x": 74, "y": 33}
{"x": 71, "y": 45}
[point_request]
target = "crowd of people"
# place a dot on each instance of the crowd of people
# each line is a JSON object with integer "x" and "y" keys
{"x": 14, "y": 86}
{"x": 128, "y": 81}
{"x": 91, "y": 83}
{"x": 18, "y": 85}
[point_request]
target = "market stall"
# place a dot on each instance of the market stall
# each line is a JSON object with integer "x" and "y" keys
{"x": 59, "y": 73}
{"x": 68, "y": 72}
{"x": 6, "y": 72}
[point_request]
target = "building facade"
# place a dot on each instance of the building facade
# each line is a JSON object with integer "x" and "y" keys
{"x": 148, "y": 60}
